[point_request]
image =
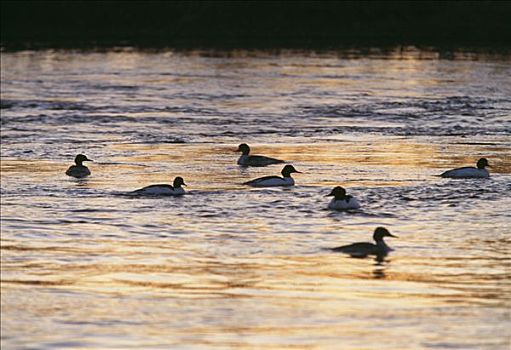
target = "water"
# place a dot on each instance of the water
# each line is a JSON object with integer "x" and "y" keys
{"x": 86, "y": 266}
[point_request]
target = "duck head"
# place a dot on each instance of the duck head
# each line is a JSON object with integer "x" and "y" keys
{"x": 244, "y": 149}
{"x": 338, "y": 193}
{"x": 288, "y": 170}
{"x": 178, "y": 182}
{"x": 380, "y": 233}
{"x": 79, "y": 159}
{"x": 482, "y": 163}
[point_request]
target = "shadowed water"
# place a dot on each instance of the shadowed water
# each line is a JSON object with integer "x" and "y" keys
{"x": 86, "y": 264}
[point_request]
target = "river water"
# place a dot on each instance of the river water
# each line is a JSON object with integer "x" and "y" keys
{"x": 86, "y": 266}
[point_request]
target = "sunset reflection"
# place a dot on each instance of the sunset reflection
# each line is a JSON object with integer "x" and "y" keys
{"x": 88, "y": 264}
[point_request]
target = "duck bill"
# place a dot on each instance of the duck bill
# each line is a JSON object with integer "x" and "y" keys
{"x": 88, "y": 160}
{"x": 299, "y": 172}
{"x": 183, "y": 184}
{"x": 391, "y": 235}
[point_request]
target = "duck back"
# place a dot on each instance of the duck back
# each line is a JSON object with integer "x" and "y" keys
{"x": 78, "y": 171}
{"x": 271, "y": 181}
{"x": 162, "y": 189}
{"x": 466, "y": 172}
{"x": 344, "y": 204}
{"x": 247, "y": 160}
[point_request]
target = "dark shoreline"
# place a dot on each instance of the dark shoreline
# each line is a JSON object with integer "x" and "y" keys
{"x": 310, "y": 25}
{"x": 345, "y": 52}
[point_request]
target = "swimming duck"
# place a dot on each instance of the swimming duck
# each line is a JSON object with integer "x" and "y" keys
{"x": 248, "y": 160}
{"x": 341, "y": 200}
{"x": 79, "y": 170}
{"x": 469, "y": 171}
{"x": 164, "y": 189}
{"x": 363, "y": 249}
{"x": 270, "y": 181}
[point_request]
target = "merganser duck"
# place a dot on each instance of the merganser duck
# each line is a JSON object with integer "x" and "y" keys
{"x": 469, "y": 171}
{"x": 79, "y": 170}
{"x": 270, "y": 181}
{"x": 248, "y": 160}
{"x": 164, "y": 189}
{"x": 341, "y": 200}
{"x": 363, "y": 249}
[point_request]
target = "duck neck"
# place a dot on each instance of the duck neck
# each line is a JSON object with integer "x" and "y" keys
{"x": 380, "y": 243}
{"x": 342, "y": 197}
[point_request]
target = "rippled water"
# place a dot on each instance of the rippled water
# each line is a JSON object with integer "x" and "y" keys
{"x": 86, "y": 266}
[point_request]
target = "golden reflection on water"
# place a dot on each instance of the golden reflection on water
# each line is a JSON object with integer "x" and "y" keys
{"x": 172, "y": 271}
{"x": 323, "y": 164}
{"x": 84, "y": 266}
{"x": 388, "y": 153}
{"x": 271, "y": 289}
{"x": 225, "y": 290}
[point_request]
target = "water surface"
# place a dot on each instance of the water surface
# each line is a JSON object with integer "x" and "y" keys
{"x": 84, "y": 265}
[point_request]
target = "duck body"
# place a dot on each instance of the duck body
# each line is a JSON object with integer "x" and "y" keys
{"x": 363, "y": 249}
{"x": 254, "y": 160}
{"x": 273, "y": 181}
{"x": 164, "y": 189}
{"x": 248, "y": 160}
{"x": 469, "y": 172}
{"x": 341, "y": 200}
{"x": 79, "y": 170}
{"x": 344, "y": 204}
{"x": 466, "y": 172}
